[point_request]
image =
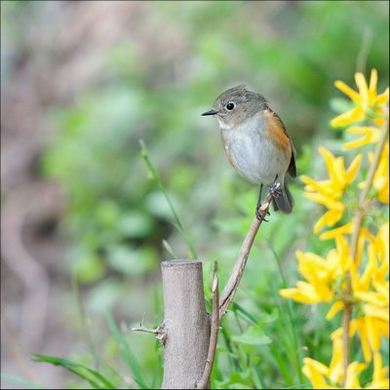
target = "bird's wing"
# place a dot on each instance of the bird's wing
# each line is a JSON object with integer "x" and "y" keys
{"x": 280, "y": 138}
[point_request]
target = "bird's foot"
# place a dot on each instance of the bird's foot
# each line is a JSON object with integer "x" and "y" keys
{"x": 275, "y": 190}
{"x": 260, "y": 215}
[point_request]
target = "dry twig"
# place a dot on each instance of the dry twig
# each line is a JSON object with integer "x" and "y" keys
{"x": 159, "y": 331}
{"x": 238, "y": 269}
{"x": 205, "y": 380}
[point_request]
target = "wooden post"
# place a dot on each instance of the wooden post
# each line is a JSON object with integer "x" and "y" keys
{"x": 186, "y": 324}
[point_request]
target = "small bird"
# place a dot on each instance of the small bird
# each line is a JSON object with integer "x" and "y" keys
{"x": 256, "y": 142}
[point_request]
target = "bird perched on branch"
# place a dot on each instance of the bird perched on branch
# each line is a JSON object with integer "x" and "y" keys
{"x": 256, "y": 143}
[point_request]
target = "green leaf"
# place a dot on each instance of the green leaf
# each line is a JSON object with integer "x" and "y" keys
{"x": 239, "y": 386}
{"x": 237, "y": 380}
{"x": 243, "y": 313}
{"x": 253, "y": 336}
{"x": 93, "y": 377}
{"x": 126, "y": 353}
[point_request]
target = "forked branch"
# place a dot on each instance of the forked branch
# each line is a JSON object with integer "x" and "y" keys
{"x": 188, "y": 335}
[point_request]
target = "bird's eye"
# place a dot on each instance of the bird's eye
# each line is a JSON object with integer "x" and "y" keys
{"x": 230, "y": 106}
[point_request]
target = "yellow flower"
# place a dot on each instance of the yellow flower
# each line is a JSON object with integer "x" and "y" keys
{"x": 339, "y": 279}
{"x": 370, "y": 330}
{"x": 317, "y": 272}
{"x": 321, "y": 274}
{"x": 370, "y": 135}
{"x": 367, "y": 102}
{"x": 372, "y": 285}
{"x": 377, "y": 267}
{"x": 320, "y": 375}
{"x": 304, "y": 293}
{"x": 316, "y": 373}
{"x": 339, "y": 231}
{"x": 381, "y": 178}
{"x": 353, "y": 371}
{"x": 336, "y": 364}
{"x": 359, "y": 325}
{"x": 323, "y": 377}
{"x": 330, "y": 192}
{"x": 381, "y": 249}
{"x": 380, "y": 378}
{"x": 335, "y": 308}
{"x": 376, "y": 298}
{"x": 371, "y": 289}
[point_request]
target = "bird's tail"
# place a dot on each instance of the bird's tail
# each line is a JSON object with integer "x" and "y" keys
{"x": 284, "y": 202}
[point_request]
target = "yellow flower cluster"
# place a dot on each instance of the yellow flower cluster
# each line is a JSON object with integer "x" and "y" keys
{"x": 353, "y": 276}
{"x": 367, "y": 103}
{"x": 330, "y": 192}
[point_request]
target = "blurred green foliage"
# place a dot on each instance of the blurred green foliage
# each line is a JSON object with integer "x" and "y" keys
{"x": 117, "y": 218}
{"x": 290, "y": 52}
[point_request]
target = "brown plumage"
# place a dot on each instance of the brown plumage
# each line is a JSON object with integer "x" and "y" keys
{"x": 256, "y": 141}
{"x": 280, "y": 138}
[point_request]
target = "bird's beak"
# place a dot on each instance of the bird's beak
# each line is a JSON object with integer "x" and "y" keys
{"x": 211, "y": 112}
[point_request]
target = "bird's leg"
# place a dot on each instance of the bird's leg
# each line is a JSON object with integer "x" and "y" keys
{"x": 259, "y": 198}
{"x": 258, "y": 215}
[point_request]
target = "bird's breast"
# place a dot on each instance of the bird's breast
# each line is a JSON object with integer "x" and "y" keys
{"x": 251, "y": 151}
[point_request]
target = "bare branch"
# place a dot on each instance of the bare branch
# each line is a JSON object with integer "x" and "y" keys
{"x": 238, "y": 269}
{"x": 146, "y": 330}
{"x": 190, "y": 348}
{"x": 205, "y": 379}
{"x": 160, "y": 332}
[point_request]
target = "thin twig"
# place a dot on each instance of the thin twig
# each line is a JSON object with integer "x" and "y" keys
{"x": 362, "y": 210}
{"x": 205, "y": 379}
{"x": 145, "y": 330}
{"x": 160, "y": 331}
{"x": 238, "y": 269}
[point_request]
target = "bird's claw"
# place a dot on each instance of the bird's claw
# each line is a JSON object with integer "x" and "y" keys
{"x": 261, "y": 216}
{"x": 275, "y": 190}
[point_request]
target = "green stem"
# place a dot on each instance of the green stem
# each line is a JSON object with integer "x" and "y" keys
{"x": 144, "y": 153}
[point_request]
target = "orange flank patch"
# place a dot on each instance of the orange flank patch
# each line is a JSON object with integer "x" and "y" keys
{"x": 277, "y": 133}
